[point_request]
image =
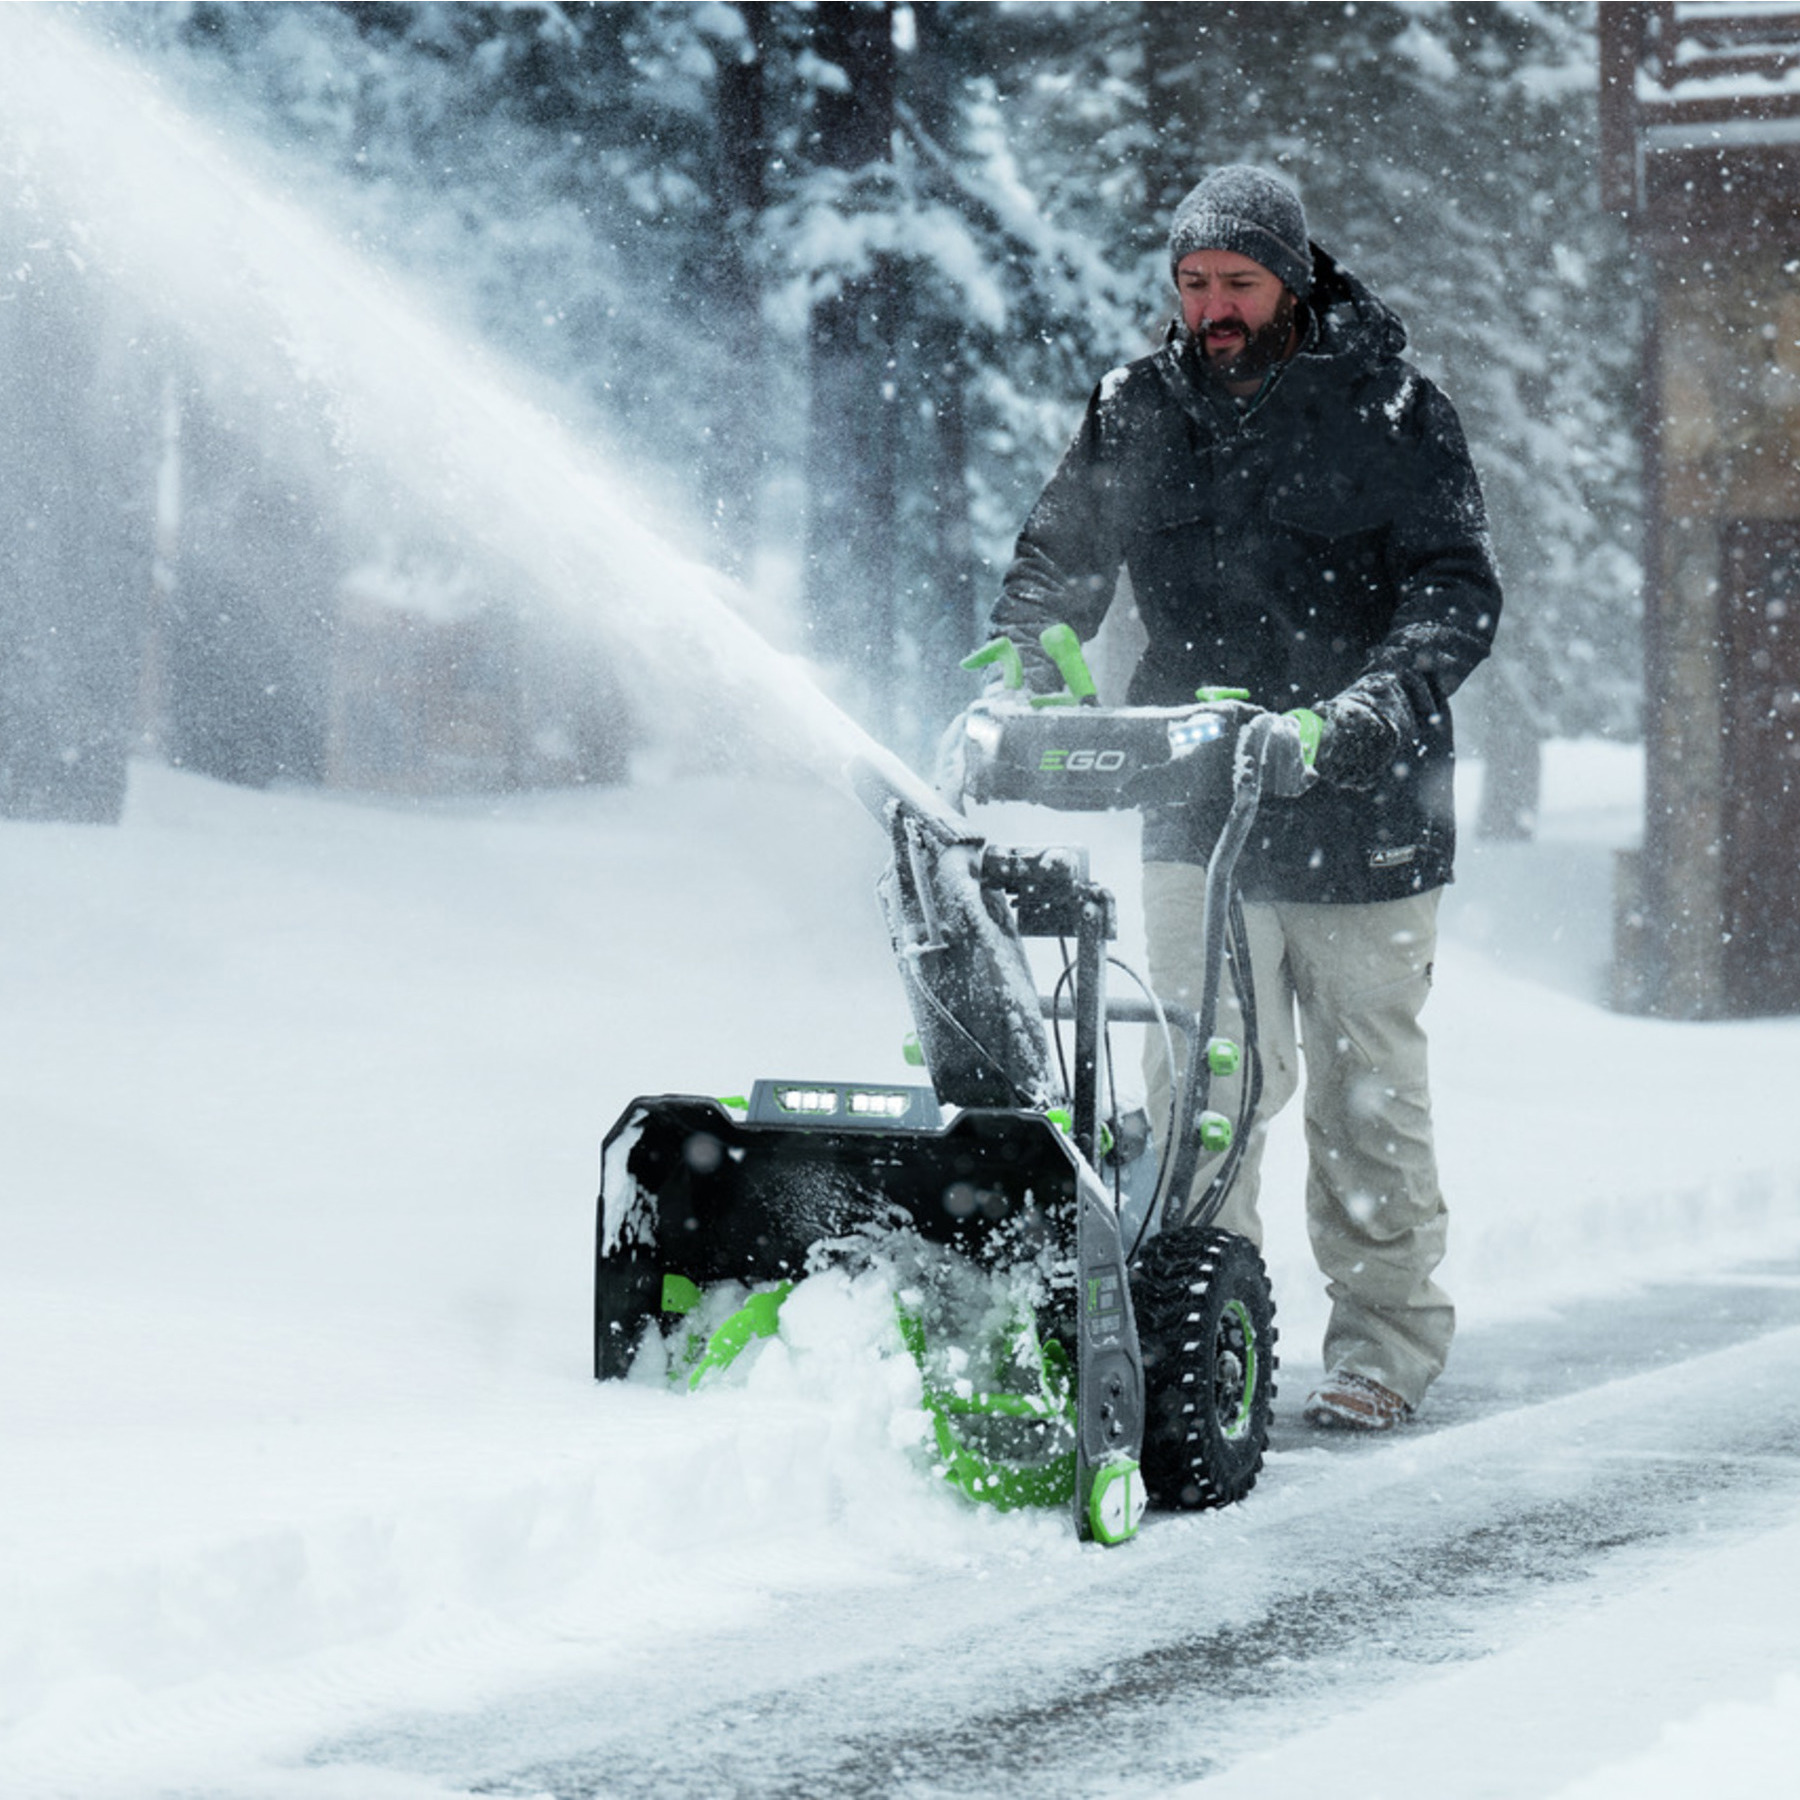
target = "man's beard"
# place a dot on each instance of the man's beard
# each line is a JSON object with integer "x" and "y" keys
{"x": 1259, "y": 351}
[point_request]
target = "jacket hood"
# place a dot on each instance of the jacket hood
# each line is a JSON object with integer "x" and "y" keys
{"x": 1350, "y": 320}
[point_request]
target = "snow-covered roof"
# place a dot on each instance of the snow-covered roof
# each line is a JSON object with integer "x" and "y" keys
{"x": 1685, "y": 76}
{"x": 1702, "y": 52}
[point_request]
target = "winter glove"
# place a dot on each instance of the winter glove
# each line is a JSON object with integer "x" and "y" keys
{"x": 1287, "y": 759}
{"x": 1359, "y": 738}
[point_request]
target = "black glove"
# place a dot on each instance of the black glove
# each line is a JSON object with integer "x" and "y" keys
{"x": 1288, "y": 755}
{"x": 1362, "y": 738}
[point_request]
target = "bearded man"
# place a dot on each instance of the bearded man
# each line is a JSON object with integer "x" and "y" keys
{"x": 1296, "y": 509}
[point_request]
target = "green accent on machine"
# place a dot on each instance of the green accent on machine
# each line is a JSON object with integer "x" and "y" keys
{"x": 1064, "y": 1121}
{"x": 1116, "y": 1500}
{"x": 1063, "y": 648}
{"x": 679, "y": 1295}
{"x": 1005, "y": 652}
{"x": 1312, "y": 732}
{"x": 1210, "y": 696}
{"x": 1233, "y": 1429}
{"x": 758, "y": 1317}
{"x": 981, "y": 1472}
{"x": 1223, "y": 1057}
{"x": 912, "y": 1052}
{"x": 1215, "y": 1133}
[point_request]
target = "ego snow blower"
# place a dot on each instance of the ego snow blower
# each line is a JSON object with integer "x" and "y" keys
{"x": 1065, "y": 1358}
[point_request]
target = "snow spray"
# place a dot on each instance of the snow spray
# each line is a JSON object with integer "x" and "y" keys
{"x": 338, "y": 365}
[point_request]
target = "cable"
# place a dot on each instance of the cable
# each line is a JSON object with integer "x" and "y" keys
{"x": 1065, "y": 981}
{"x": 1025, "y": 1100}
{"x": 1168, "y": 1036}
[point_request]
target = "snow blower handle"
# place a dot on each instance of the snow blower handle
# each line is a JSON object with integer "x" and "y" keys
{"x": 1289, "y": 752}
{"x": 1062, "y": 647}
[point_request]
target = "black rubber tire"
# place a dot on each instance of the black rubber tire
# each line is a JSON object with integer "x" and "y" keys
{"x": 1206, "y": 1325}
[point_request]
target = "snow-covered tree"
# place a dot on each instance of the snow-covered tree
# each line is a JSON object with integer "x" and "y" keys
{"x": 714, "y": 228}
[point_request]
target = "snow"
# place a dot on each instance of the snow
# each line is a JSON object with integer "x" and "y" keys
{"x": 363, "y": 382}
{"x": 301, "y": 1101}
{"x": 302, "y": 1105}
{"x": 1626, "y": 1682}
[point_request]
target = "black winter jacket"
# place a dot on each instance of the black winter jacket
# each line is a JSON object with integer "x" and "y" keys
{"x": 1331, "y": 535}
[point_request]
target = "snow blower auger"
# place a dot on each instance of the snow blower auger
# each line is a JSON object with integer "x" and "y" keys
{"x": 1059, "y": 1364}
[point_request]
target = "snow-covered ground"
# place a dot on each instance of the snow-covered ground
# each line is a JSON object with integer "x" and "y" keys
{"x": 301, "y": 1100}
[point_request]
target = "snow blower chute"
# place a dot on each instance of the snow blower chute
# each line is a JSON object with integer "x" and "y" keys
{"x": 1113, "y": 1369}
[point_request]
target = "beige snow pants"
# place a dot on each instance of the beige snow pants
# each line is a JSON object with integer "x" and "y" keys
{"x": 1356, "y": 977}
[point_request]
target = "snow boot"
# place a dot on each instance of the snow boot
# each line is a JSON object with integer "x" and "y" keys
{"x": 1346, "y": 1401}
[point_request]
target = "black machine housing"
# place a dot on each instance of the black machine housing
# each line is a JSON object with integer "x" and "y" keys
{"x": 1001, "y": 1157}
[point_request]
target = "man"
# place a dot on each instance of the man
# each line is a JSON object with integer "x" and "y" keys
{"x": 1298, "y": 515}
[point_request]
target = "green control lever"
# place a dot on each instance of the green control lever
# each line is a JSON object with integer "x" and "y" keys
{"x": 1063, "y": 648}
{"x": 1005, "y": 652}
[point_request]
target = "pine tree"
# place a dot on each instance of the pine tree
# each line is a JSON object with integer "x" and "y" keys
{"x": 729, "y": 233}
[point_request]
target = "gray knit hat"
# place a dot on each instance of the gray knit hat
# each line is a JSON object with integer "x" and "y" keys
{"x": 1252, "y": 212}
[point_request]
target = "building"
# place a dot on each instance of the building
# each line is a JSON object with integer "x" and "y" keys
{"x": 1700, "y": 147}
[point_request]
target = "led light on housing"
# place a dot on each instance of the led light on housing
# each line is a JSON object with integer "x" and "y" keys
{"x": 1189, "y": 734}
{"x": 984, "y": 733}
{"x": 879, "y": 1106}
{"x": 818, "y": 1101}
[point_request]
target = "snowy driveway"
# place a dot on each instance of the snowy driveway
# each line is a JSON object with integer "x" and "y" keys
{"x": 1490, "y": 1568}
{"x": 307, "y": 1492}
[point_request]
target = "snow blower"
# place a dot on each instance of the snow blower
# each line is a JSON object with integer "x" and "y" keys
{"x": 1067, "y": 1356}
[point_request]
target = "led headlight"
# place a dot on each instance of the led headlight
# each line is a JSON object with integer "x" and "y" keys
{"x": 816, "y": 1101}
{"x": 879, "y": 1105}
{"x": 1186, "y": 735}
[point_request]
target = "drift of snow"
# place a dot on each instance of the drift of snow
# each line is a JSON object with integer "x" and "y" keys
{"x": 302, "y": 1101}
{"x": 334, "y": 361}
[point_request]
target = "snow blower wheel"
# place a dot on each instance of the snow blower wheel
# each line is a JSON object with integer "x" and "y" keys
{"x": 1206, "y": 1323}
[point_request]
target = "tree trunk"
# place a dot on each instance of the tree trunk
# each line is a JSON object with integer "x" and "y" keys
{"x": 75, "y": 545}
{"x": 738, "y": 447}
{"x": 1513, "y": 775}
{"x": 949, "y": 617}
{"x": 1173, "y": 160}
{"x": 250, "y": 615}
{"x": 854, "y": 402}
{"x": 953, "y": 620}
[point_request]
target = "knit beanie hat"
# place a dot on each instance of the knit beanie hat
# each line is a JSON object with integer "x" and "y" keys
{"x": 1252, "y": 212}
